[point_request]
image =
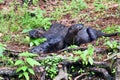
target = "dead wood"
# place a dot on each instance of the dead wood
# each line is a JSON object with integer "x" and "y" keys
{"x": 80, "y": 76}
{"x": 117, "y": 67}
{"x": 8, "y": 71}
{"x": 61, "y": 74}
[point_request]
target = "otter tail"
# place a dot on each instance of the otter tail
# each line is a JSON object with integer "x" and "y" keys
{"x": 111, "y": 34}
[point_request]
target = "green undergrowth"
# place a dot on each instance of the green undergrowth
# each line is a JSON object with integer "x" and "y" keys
{"x": 18, "y": 18}
{"x": 112, "y": 29}
{"x": 72, "y": 8}
{"x": 26, "y": 62}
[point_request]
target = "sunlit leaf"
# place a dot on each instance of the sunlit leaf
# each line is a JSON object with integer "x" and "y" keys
{"x": 31, "y": 71}
{"x": 19, "y": 62}
{"x": 20, "y": 75}
{"x": 2, "y": 48}
{"x": 32, "y": 62}
{"x": 26, "y": 75}
{"x": 90, "y": 59}
{"x": 27, "y": 54}
{"x": 23, "y": 68}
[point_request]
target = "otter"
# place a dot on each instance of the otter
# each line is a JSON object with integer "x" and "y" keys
{"x": 60, "y": 36}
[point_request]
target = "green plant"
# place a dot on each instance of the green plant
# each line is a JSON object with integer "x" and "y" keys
{"x": 25, "y": 65}
{"x": 34, "y": 2}
{"x": 1, "y": 1}
{"x": 7, "y": 61}
{"x": 112, "y": 29}
{"x": 99, "y": 6}
{"x": 85, "y": 56}
{"x": 72, "y": 8}
{"x": 50, "y": 63}
{"x": 36, "y": 42}
{"x": 111, "y": 44}
{"x": 114, "y": 1}
{"x": 73, "y": 46}
{"x": 114, "y": 70}
{"x": 81, "y": 71}
{"x": 17, "y": 18}
{"x": 38, "y": 20}
{"x": 2, "y": 49}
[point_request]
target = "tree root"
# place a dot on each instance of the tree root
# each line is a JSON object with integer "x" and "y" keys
{"x": 103, "y": 72}
{"x": 80, "y": 76}
{"x": 61, "y": 74}
{"x": 7, "y": 71}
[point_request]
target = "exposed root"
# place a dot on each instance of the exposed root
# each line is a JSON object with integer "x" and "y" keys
{"x": 103, "y": 72}
{"x": 80, "y": 76}
{"x": 61, "y": 74}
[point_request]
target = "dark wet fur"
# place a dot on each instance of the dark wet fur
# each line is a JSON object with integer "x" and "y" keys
{"x": 60, "y": 36}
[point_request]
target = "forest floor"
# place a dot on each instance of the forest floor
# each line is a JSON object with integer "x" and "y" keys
{"x": 104, "y": 15}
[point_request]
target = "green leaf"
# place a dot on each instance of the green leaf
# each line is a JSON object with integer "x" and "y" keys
{"x": 2, "y": 48}
{"x": 26, "y": 30}
{"x": 90, "y": 60}
{"x": 18, "y": 69}
{"x": 27, "y": 54}
{"x": 20, "y": 75}
{"x": 32, "y": 62}
{"x": 78, "y": 52}
{"x": 31, "y": 71}
{"x": 36, "y": 42}
{"x": 90, "y": 50}
{"x": 76, "y": 58}
{"x": 23, "y": 68}
{"x": 26, "y": 75}
{"x": 19, "y": 62}
{"x": 31, "y": 44}
{"x": 73, "y": 46}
